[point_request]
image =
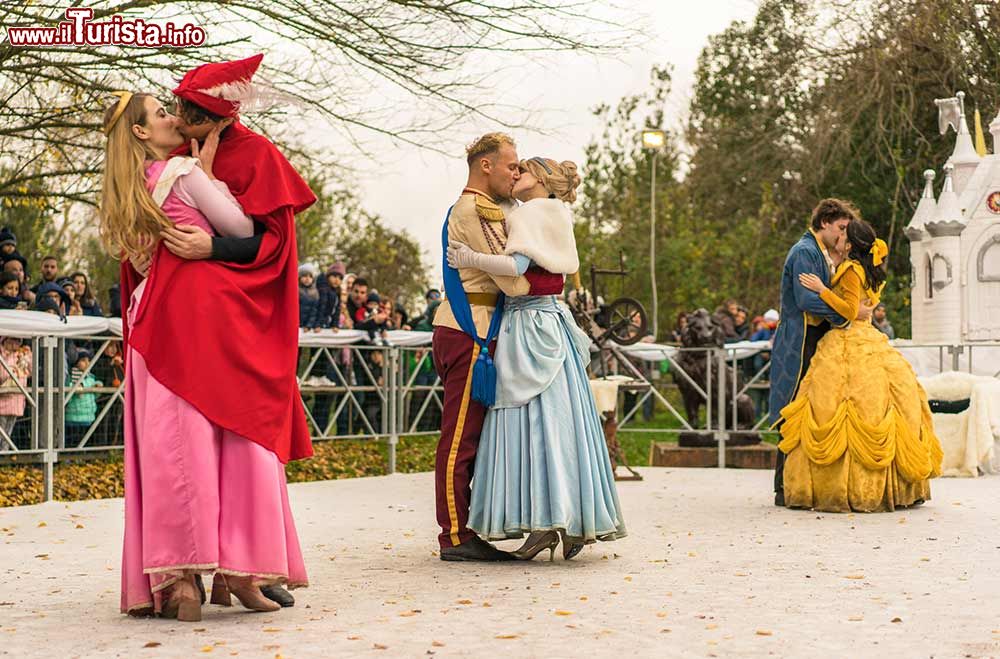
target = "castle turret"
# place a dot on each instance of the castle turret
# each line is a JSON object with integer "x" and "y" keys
{"x": 920, "y": 275}
{"x": 944, "y": 304}
{"x": 964, "y": 157}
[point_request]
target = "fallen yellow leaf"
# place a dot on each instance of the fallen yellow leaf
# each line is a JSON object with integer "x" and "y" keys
{"x": 763, "y": 632}
{"x": 506, "y": 637}
{"x": 560, "y": 612}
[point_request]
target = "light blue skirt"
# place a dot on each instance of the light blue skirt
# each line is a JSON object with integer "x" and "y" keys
{"x": 542, "y": 461}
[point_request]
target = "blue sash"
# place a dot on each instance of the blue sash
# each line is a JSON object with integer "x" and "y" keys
{"x": 484, "y": 372}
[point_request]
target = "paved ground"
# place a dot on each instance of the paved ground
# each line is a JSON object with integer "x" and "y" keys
{"x": 710, "y": 569}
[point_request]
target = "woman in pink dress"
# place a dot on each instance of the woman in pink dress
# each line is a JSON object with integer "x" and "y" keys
{"x": 198, "y": 498}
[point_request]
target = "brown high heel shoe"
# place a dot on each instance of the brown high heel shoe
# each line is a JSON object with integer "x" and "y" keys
{"x": 249, "y": 595}
{"x": 538, "y": 541}
{"x": 183, "y": 602}
{"x": 220, "y": 591}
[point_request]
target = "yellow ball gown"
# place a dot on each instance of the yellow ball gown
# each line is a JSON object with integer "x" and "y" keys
{"x": 858, "y": 435}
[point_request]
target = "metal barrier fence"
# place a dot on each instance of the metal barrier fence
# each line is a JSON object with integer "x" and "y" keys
{"x": 383, "y": 392}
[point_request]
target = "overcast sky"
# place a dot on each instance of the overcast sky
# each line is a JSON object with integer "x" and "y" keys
{"x": 413, "y": 188}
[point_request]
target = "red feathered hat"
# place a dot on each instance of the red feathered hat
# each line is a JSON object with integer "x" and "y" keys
{"x": 221, "y": 88}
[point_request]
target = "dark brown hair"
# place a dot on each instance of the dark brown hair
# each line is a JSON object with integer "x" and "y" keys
{"x": 195, "y": 114}
{"x": 861, "y": 236}
{"x": 830, "y": 210}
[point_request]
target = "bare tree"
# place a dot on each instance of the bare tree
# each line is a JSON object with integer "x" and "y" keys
{"x": 351, "y": 66}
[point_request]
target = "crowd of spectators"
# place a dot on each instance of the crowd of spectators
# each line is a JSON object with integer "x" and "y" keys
{"x": 336, "y": 300}
{"x": 62, "y": 295}
{"x": 54, "y": 292}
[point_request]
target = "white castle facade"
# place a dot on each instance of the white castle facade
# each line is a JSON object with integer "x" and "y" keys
{"x": 955, "y": 242}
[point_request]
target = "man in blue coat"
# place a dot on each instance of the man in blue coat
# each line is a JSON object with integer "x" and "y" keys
{"x": 805, "y": 318}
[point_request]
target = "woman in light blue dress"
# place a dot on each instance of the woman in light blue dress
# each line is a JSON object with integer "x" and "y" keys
{"x": 542, "y": 465}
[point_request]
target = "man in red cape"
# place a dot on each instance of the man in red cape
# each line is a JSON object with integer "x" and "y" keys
{"x": 224, "y": 336}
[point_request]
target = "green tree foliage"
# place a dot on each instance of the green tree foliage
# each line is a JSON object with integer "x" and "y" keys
{"x": 391, "y": 260}
{"x": 811, "y": 99}
{"x": 615, "y": 211}
{"x": 33, "y": 220}
{"x": 338, "y": 228}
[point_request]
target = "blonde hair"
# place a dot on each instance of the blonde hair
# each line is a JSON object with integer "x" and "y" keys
{"x": 130, "y": 220}
{"x": 561, "y": 178}
{"x": 488, "y": 144}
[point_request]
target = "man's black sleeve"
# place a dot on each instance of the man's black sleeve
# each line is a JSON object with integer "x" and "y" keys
{"x": 238, "y": 250}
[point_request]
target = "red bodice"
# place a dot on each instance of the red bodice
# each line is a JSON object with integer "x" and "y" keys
{"x": 544, "y": 282}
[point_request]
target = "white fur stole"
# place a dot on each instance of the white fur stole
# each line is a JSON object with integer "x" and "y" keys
{"x": 542, "y": 230}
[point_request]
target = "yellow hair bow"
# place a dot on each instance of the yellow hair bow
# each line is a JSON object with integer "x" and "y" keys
{"x": 123, "y": 99}
{"x": 879, "y": 251}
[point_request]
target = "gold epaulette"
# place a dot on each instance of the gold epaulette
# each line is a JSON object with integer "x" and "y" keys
{"x": 488, "y": 210}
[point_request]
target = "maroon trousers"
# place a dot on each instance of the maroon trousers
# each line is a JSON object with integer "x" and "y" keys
{"x": 461, "y": 423}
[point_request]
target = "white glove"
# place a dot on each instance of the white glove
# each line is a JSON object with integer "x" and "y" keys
{"x": 462, "y": 256}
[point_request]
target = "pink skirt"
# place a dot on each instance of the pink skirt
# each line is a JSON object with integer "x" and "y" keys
{"x": 198, "y": 498}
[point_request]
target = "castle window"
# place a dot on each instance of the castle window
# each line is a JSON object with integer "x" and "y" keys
{"x": 928, "y": 277}
{"x": 940, "y": 272}
{"x": 988, "y": 260}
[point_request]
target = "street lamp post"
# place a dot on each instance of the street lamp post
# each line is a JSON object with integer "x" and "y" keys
{"x": 653, "y": 140}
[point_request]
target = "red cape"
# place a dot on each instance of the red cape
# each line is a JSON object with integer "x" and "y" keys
{"x": 224, "y": 336}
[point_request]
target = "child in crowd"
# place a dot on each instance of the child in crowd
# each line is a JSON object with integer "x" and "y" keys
{"x": 110, "y": 368}
{"x": 52, "y": 291}
{"x": 8, "y": 242}
{"x": 17, "y": 357}
{"x": 764, "y": 326}
{"x": 81, "y": 409}
{"x": 73, "y": 307}
{"x": 309, "y": 304}
{"x": 10, "y": 291}
{"x": 330, "y": 297}
{"x": 374, "y": 319}
{"x": 16, "y": 265}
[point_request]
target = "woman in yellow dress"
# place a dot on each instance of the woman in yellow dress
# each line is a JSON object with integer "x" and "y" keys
{"x": 858, "y": 434}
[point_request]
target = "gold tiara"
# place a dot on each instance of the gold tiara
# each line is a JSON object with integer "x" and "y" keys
{"x": 123, "y": 99}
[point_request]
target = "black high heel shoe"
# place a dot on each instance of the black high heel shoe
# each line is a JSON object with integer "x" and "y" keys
{"x": 570, "y": 549}
{"x": 537, "y": 542}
